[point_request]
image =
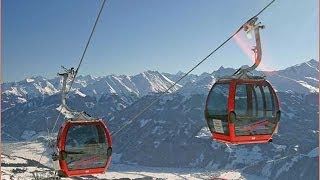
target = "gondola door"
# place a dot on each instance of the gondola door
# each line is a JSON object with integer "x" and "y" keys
{"x": 255, "y": 114}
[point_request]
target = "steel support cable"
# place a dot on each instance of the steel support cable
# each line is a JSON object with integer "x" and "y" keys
{"x": 82, "y": 57}
{"x": 76, "y": 72}
{"x": 49, "y": 138}
{"x": 175, "y": 83}
{"x": 87, "y": 45}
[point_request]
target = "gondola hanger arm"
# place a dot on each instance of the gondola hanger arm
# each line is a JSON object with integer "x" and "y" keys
{"x": 72, "y": 114}
{"x": 248, "y": 27}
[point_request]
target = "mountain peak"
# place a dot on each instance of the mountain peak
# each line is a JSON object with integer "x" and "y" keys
{"x": 35, "y": 78}
{"x": 151, "y": 72}
{"x": 313, "y": 63}
{"x": 180, "y": 73}
{"x": 85, "y": 77}
{"x": 221, "y": 68}
{"x": 222, "y": 71}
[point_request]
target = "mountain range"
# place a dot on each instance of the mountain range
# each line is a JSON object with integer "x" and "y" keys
{"x": 172, "y": 132}
{"x": 302, "y": 78}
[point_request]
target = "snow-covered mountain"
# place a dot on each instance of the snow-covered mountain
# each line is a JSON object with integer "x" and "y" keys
{"x": 139, "y": 85}
{"x": 94, "y": 92}
{"x": 302, "y": 78}
{"x": 173, "y": 133}
{"x": 20, "y": 92}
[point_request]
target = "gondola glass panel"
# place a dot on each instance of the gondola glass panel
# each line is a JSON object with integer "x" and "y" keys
{"x": 217, "y": 109}
{"x": 86, "y": 147}
{"x": 255, "y": 110}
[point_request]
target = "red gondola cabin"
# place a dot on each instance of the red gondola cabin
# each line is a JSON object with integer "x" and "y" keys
{"x": 85, "y": 148}
{"x": 242, "y": 111}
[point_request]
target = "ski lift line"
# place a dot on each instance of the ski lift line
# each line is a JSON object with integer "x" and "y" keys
{"x": 175, "y": 83}
{"x": 76, "y": 72}
{"x": 39, "y": 162}
{"x": 49, "y": 143}
{"x": 87, "y": 45}
{"x": 55, "y": 123}
{"x": 263, "y": 9}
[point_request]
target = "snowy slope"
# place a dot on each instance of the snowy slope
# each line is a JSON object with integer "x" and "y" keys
{"x": 153, "y": 81}
{"x": 23, "y": 166}
{"x": 139, "y": 85}
{"x": 20, "y": 92}
{"x": 35, "y": 86}
{"x": 301, "y": 78}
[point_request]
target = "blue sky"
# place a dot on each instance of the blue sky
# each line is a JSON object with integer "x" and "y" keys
{"x": 132, "y": 36}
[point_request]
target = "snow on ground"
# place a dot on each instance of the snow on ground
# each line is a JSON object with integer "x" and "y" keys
{"x": 129, "y": 171}
{"x": 77, "y": 91}
{"x": 230, "y": 175}
{"x": 118, "y": 171}
{"x": 308, "y": 86}
{"x": 29, "y": 80}
{"x": 13, "y": 91}
{"x": 204, "y": 133}
{"x": 155, "y": 174}
{"x": 111, "y": 90}
{"x": 27, "y": 172}
{"x": 21, "y": 160}
{"x": 312, "y": 78}
{"x": 21, "y": 100}
{"x": 32, "y": 151}
{"x": 12, "y": 160}
{"x": 30, "y": 172}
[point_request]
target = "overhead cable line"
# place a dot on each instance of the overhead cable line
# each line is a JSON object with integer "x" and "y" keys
{"x": 75, "y": 74}
{"x": 87, "y": 45}
{"x": 83, "y": 54}
{"x": 193, "y": 68}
